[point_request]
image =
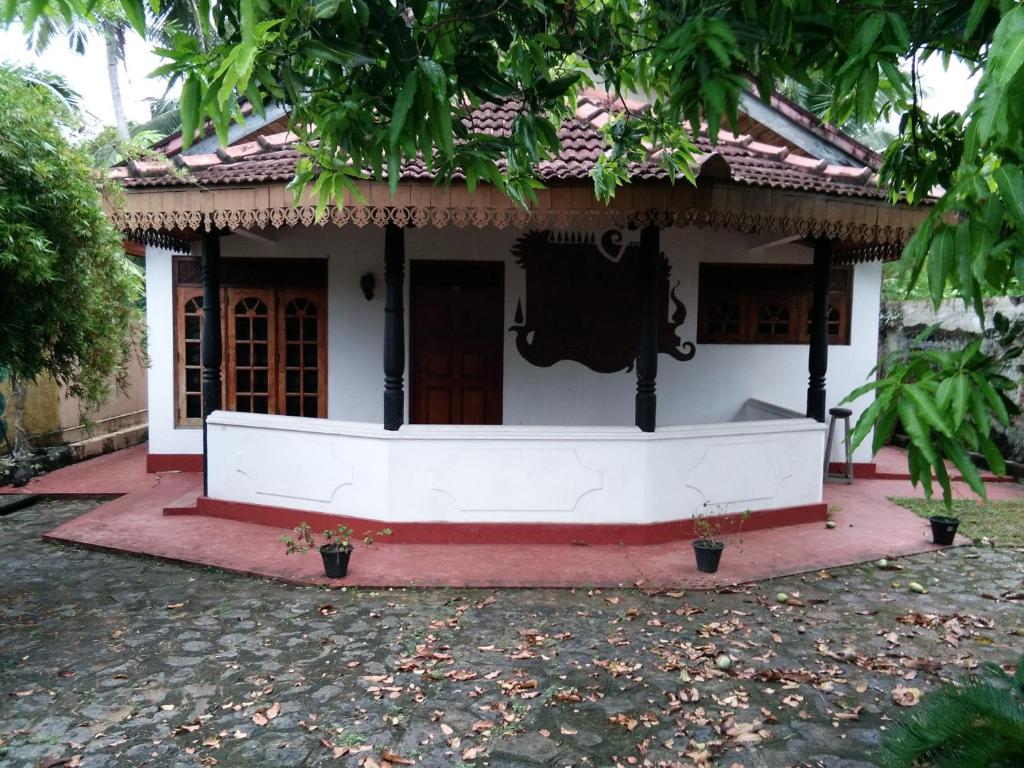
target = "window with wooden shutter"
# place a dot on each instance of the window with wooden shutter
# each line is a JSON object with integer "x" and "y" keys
{"x": 767, "y": 304}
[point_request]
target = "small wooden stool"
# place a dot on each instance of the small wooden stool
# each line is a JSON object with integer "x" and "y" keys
{"x": 844, "y": 414}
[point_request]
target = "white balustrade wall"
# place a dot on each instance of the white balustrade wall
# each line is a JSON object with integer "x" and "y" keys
{"x": 514, "y": 473}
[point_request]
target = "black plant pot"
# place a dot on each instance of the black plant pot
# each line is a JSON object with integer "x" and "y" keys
{"x": 709, "y": 553}
{"x": 335, "y": 560}
{"x": 943, "y": 529}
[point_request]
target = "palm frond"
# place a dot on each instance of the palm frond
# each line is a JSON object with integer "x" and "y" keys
{"x": 977, "y": 723}
{"x": 56, "y": 85}
{"x": 165, "y": 120}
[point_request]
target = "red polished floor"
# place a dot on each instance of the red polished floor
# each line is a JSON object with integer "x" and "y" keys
{"x": 891, "y": 464}
{"x": 868, "y": 527}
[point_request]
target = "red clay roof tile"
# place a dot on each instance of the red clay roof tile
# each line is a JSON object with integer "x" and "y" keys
{"x": 269, "y": 159}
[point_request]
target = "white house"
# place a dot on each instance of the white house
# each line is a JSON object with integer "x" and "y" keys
{"x": 458, "y": 367}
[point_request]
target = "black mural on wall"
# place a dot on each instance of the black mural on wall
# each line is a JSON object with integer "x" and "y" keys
{"x": 582, "y": 302}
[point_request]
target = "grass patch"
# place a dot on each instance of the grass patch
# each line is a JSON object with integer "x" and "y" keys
{"x": 1001, "y": 522}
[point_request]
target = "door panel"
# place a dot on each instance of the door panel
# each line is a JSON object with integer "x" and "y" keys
{"x": 302, "y": 334}
{"x": 275, "y": 351}
{"x": 456, "y": 319}
{"x": 438, "y": 406}
{"x": 189, "y": 362}
{"x": 251, "y": 350}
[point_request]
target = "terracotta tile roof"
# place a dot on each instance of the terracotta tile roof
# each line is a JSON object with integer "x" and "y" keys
{"x": 269, "y": 158}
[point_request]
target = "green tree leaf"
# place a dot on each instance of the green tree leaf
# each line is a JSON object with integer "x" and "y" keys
{"x": 1010, "y": 181}
{"x": 402, "y": 105}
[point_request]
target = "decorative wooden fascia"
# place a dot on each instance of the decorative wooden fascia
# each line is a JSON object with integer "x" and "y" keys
{"x": 158, "y": 239}
{"x": 866, "y": 253}
{"x": 853, "y": 219}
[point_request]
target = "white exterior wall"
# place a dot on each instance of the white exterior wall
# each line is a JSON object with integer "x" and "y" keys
{"x": 164, "y": 437}
{"x": 708, "y": 389}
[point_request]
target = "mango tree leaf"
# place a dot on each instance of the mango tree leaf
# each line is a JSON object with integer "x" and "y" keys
{"x": 402, "y": 104}
{"x": 961, "y": 396}
{"x": 247, "y": 20}
{"x": 865, "y": 423}
{"x": 963, "y": 462}
{"x": 995, "y": 402}
{"x": 993, "y": 457}
{"x": 1010, "y": 182}
{"x": 189, "y": 110}
{"x": 944, "y": 482}
{"x": 916, "y": 430}
{"x": 884, "y": 428}
{"x": 135, "y": 13}
{"x": 925, "y": 407}
{"x": 974, "y": 18}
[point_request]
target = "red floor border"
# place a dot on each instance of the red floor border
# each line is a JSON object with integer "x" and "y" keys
{"x": 503, "y": 533}
{"x": 174, "y": 462}
{"x": 862, "y": 470}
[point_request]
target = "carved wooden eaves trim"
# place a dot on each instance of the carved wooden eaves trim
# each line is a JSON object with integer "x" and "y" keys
{"x": 729, "y": 207}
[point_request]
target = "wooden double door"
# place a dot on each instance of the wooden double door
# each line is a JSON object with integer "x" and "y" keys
{"x": 275, "y": 349}
{"x": 456, "y": 333}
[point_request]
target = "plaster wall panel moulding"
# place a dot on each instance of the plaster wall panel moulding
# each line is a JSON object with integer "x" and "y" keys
{"x": 534, "y": 479}
{"x": 302, "y": 468}
{"x": 739, "y": 473}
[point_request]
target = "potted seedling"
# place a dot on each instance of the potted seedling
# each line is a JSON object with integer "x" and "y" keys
{"x": 943, "y": 528}
{"x": 336, "y": 549}
{"x": 708, "y": 525}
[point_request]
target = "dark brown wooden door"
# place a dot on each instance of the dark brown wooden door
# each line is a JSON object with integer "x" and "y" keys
{"x": 456, "y": 333}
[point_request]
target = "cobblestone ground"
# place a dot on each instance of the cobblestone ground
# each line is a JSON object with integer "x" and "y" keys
{"x": 114, "y": 661}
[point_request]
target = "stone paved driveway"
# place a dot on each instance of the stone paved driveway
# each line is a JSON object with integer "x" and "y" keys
{"x": 112, "y": 661}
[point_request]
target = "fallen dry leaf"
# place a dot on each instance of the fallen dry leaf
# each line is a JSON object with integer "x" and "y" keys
{"x": 906, "y": 697}
{"x": 624, "y": 720}
{"x": 566, "y": 694}
{"x": 395, "y": 759}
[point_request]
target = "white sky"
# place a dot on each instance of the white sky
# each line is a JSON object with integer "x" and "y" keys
{"x": 87, "y": 73}
{"x": 945, "y": 90}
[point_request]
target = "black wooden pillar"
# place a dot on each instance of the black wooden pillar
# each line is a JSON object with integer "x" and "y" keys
{"x": 647, "y": 354}
{"x": 394, "y": 327}
{"x": 211, "y": 341}
{"x": 817, "y": 358}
